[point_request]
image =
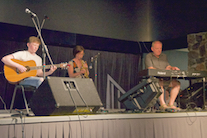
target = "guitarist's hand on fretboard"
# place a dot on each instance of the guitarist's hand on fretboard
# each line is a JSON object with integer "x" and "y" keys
{"x": 52, "y": 69}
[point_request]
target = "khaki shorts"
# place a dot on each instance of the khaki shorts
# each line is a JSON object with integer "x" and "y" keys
{"x": 165, "y": 82}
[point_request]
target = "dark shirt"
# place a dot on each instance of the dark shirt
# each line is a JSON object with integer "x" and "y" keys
{"x": 158, "y": 63}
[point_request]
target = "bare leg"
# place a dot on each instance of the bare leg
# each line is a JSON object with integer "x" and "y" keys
{"x": 174, "y": 92}
{"x": 161, "y": 97}
{"x": 167, "y": 94}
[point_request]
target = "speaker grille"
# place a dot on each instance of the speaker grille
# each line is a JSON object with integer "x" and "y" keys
{"x": 55, "y": 96}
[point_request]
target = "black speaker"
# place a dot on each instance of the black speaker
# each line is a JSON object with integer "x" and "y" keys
{"x": 61, "y": 95}
{"x": 192, "y": 96}
{"x": 142, "y": 96}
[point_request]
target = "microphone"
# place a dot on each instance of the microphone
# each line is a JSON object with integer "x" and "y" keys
{"x": 46, "y": 17}
{"x": 90, "y": 66}
{"x": 30, "y": 12}
{"x": 96, "y": 56}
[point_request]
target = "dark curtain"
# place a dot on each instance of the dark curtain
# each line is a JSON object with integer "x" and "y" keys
{"x": 122, "y": 67}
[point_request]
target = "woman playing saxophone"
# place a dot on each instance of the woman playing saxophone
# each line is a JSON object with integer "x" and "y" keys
{"x": 78, "y": 68}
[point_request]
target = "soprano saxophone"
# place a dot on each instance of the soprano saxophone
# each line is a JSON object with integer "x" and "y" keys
{"x": 86, "y": 73}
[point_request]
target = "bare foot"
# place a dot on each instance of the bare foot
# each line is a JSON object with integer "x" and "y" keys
{"x": 174, "y": 107}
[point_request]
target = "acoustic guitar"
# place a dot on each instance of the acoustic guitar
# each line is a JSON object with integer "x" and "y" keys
{"x": 13, "y": 75}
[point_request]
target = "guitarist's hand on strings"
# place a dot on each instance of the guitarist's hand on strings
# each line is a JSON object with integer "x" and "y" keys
{"x": 21, "y": 68}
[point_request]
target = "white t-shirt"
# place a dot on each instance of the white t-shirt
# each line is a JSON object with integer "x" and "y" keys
{"x": 26, "y": 55}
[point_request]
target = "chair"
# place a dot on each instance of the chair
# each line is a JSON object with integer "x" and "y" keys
{"x": 23, "y": 89}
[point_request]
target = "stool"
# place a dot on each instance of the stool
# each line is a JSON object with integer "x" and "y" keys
{"x": 23, "y": 89}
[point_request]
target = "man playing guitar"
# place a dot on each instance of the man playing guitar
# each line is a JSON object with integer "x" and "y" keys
{"x": 26, "y": 55}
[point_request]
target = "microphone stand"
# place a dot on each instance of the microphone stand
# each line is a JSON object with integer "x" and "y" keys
{"x": 44, "y": 47}
{"x": 43, "y": 21}
{"x": 95, "y": 68}
{"x": 20, "y": 115}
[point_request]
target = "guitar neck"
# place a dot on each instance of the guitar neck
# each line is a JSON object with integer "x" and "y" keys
{"x": 46, "y": 67}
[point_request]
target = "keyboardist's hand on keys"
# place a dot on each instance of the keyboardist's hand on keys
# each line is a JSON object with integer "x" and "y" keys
{"x": 171, "y": 68}
{"x": 175, "y": 68}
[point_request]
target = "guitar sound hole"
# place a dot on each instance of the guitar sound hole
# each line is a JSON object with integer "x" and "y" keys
{"x": 28, "y": 69}
{"x": 17, "y": 71}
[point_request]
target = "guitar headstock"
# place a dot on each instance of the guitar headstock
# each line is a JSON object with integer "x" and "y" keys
{"x": 64, "y": 65}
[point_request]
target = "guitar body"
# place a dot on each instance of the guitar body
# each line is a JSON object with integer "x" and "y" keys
{"x": 14, "y": 76}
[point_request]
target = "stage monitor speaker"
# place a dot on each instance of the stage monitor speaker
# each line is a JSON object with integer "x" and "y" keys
{"x": 55, "y": 96}
{"x": 192, "y": 96}
{"x": 143, "y": 96}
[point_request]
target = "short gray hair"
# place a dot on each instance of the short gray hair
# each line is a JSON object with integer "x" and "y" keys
{"x": 155, "y": 42}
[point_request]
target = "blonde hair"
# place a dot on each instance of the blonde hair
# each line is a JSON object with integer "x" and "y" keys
{"x": 34, "y": 39}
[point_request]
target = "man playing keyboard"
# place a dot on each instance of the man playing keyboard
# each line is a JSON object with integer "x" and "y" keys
{"x": 158, "y": 60}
